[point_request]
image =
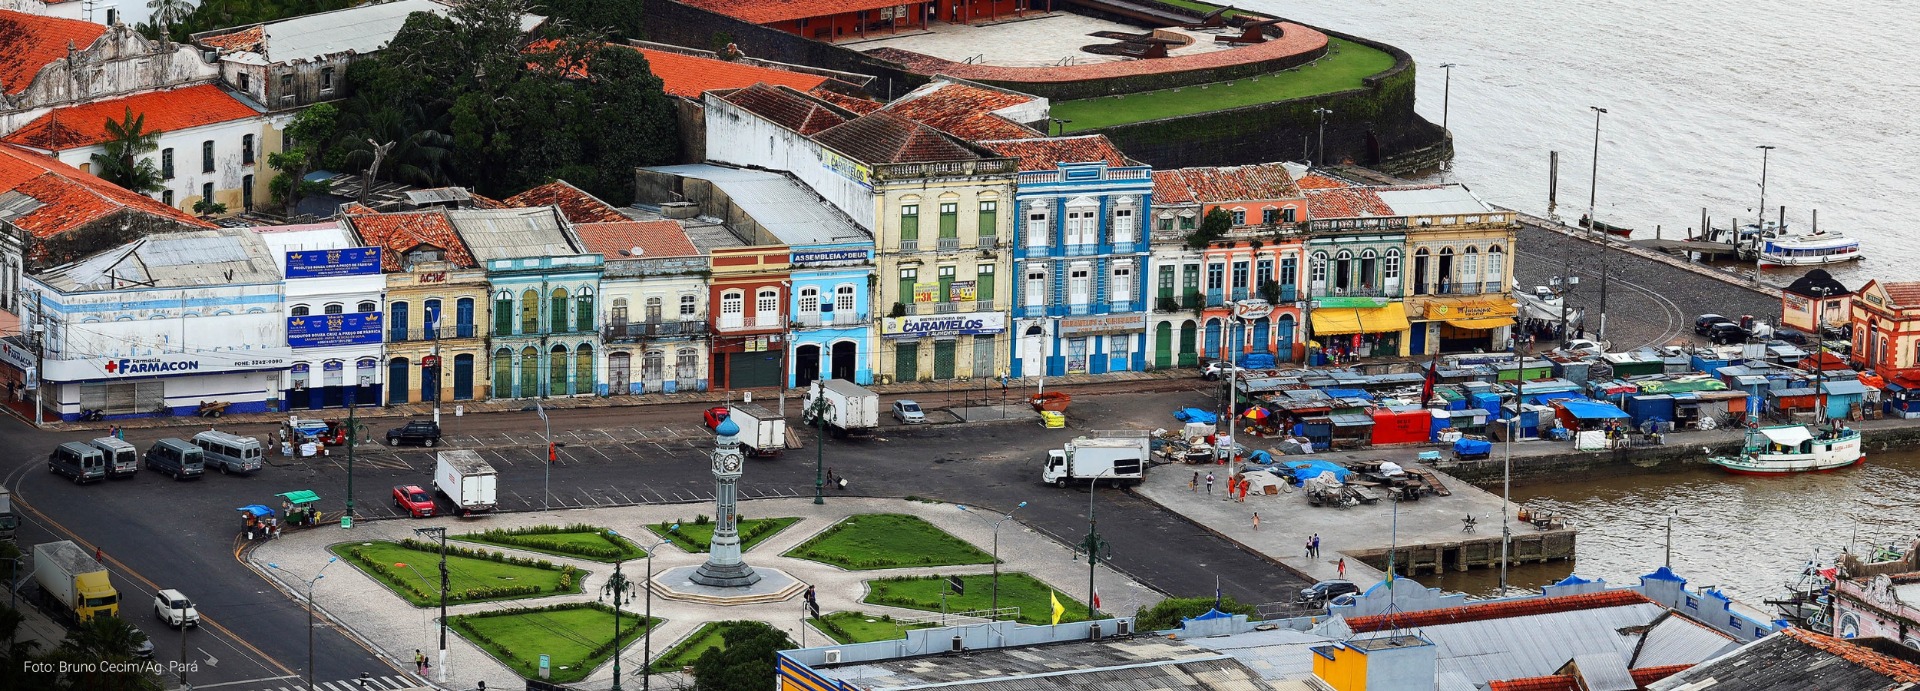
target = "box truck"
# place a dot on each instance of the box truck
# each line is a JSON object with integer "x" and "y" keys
{"x": 1118, "y": 457}
{"x": 72, "y": 583}
{"x": 8, "y": 521}
{"x": 850, "y": 409}
{"x": 467, "y": 480}
{"x": 762, "y": 432}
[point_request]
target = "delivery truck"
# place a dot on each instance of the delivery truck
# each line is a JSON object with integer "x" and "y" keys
{"x": 762, "y": 432}
{"x": 8, "y": 521}
{"x": 466, "y": 480}
{"x": 1117, "y": 457}
{"x": 850, "y": 409}
{"x": 72, "y": 583}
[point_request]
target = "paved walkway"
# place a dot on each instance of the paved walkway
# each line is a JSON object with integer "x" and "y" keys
{"x": 365, "y": 607}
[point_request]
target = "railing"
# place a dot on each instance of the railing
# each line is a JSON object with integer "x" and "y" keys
{"x": 1006, "y": 166}
{"x": 1239, "y": 294}
{"x": 767, "y": 321}
{"x": 949, "y": 244}
{"x": 633, "y": 330}
{"x": 1190, "y": 301}
{"x": 422, "y": 333}
{"x": 1215, "y": 299}
{"x": 1289, "y": 292}
{"x": 988, "y": 242}
{"x": 949, "y": 307}
{"x": 909, "y": 245}
{"x": 1361, "y": 292}
{"x": 1120, "y": 306}
{"x": 1033, "y": 310}
{"x": 818, "y": 319}
{"x": 1082, "y": 250}
{"x": 1166, "y": 304}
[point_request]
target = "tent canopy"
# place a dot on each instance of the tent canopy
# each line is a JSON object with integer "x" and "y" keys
{"x": 299, "y": 496}
{"x": 1334, "y": 321}
{"x": 255, "y": 510}
{"x": 1303, "y": 470}
{"x": 1592, "y": 410}
{"x": 1790, "y": 435}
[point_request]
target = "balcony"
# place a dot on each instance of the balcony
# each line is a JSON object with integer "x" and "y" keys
{"x": 988, "y": 242}
{"x": 1239, "y": 293}
{"x": 909, "y": 246}
{"x": 1190, "y": 301}
{"x": 1166, "y": 303}
{"x": 1289, "y": 292}
{"x": 1215, "y": 298}
{"x": 1361, "y": 292}
{"x": 402, "y": 335}
{"x": 814, "y": 320}
{"x": 768, "y": 320}
{"x": 634, "y": 331}
{"x": 1120, "y": 306}
{"x": 949, "y": 244}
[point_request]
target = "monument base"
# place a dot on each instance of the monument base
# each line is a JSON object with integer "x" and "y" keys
{"x": 735, "y": 575}
{"x": 772, "y": 585}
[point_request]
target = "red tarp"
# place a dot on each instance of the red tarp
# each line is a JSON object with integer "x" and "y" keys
{"x": 1409, "y": 427}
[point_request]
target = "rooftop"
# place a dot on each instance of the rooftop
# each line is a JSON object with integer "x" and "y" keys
{"x": 688, "y": 76}
{"x": 512, "y": 233}
{"x": 780, "y": 204}
{"x": 786, "y": 108}
{"x": 853, "y": 104}
{"x": 619, "y": 240}
{"x": 1047, "y": 153}
{"x": 226, "y": 256}
{"x": 1432, "y": 200}
{"x": 1140, "y": 664}
{"x": 1642, "y": 677}
{"x": 1798, "y": 659}
{"x": 1817, "y": 283}
{"x": 966, "y": 111}
{"x": 399, "y": 233}
{"x": 1903, "y": 293}
{"x": 1224, "y": 184}
{"x": 575, "y": 203}
{"x": 45, "y": 197}
{"x": 771, "y": 11}
{"x": 1346, "y": 202}
{"x": 164, "y": 111}
{"x": 883, "y": 137}
{"x": 302, "y": 237}
{"x": 362, "y": 29}
{"x": 1042, "y": 40}
{"x": 34, "y": 41}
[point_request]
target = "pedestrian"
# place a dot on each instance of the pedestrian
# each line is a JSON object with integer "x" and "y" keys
{"x": 419, "y": 662}
{"x": 1209, "y": 483}
{"x": 1256, "y": 521}
{"x": 1341, "y": 567}
{"x": 1244, "y": 483}
{"x": 1194, "y": 484}
{"x": 1316, "y": 545}
{"x": 97, "y": 554}
{"x": 1309, "y": 547}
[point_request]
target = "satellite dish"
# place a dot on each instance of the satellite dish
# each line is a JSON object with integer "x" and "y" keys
{"x": 637, "y": 251}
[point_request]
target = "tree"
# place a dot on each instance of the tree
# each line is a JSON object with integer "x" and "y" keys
{"x": 109, "y": 640}
{"x": 307, "y": 136}
{"x": 744, "y": 662}
{"x": 1214, "y": 225}
{"x": 121, "y": 164}
{"x": 208, "y": 207}
{"x": 167, "y": 13}
{"x": 616, "y": 18}
{"x": 15, "y": 655}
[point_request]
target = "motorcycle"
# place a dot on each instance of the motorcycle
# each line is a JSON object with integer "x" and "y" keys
{"x": 92, "y": 415}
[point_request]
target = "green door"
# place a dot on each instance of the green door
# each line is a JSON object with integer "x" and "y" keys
{"x": 906, "y": 362}
{"x": 754, "y": 370}
{"x": 943, "y": 359}
{"x": 1163, "y": 345}
{"x": 1188, "y": 358}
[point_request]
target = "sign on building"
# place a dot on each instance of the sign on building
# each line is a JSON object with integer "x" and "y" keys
{"x": 322, "y": 330}
{"x": 1102, "y": 324}
{"x": 351, "y": 261}
{"x": 963, "y": 291}
{"x": 936, "y": 325}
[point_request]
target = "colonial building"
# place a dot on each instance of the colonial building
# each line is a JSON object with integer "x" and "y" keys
{"x": 53, "y": 60}
{"x": 1886, "y": 326}
{"x": 162, "y": 326}
{"x": 654, "y": 297}
{"x": 104, "y": 12}
{"x": 1815, "y": 302}
{"x": 1459, "y": 290}
{"x": 1245, "y": 284}
{"x": 211, "y": 145}
{"x": 428, "y": 270}
{"x": 749, "y": 289}
{"x": 826, "y": 21}
{"x": 1080, "y": 256}
{"x": 335, "y": 323}
{"x": 546, "y": 291}
{"x": 1355, "y": 263}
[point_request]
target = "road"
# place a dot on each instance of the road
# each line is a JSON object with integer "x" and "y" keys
{"x": 156, "y": 532}
{"x": 1648, "y": 302}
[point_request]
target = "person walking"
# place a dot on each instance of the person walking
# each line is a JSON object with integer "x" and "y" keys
{"x": 419, "y": 662}
{"x": 1316, "y": 545}
{"x": 1256, "y": 521}
{"x": 1209, "y": 483}
{"x": 1341, "y": 567}
{"x": 1194, "y": 484}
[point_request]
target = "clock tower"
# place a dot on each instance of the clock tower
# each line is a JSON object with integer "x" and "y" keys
{"x": 724, "y": 567}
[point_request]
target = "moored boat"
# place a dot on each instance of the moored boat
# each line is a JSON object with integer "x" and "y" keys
{"x": 1818, "y": 247}
{"x": 1782, "y": 449}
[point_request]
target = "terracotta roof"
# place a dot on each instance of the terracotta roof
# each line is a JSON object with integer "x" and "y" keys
{"x": 654, "y": 238}
{"x": 965, "y": 111}
{"x": 247, "y": 39}
{"x": 1346, "y": 202}
{"x": 1903, "y": 293}
{"x": 401, "y": 232}
{"x": 1047, "y": 153}
{"x": 33, "y": 41}
{"x": 1316, "y": 181}
{"x": 689, "y": 76}
{"x": 1295, "y": 40}
{"x": 1887, "y": 665}
{"x": 1170, "y": 188}
{"x": 1497, "y": 610}
{"x": 1224, "y": 184}
{"x": 165, "y": 111}
{"x": 770, "y": 11}
{"x": 859, "y": 106}
{"x": 70, "y": 197}
{"x": 786, "y": 108}
{"x": 485, "y": 202}
{"x": 883, "y": 137}
{"x": 1642, "y": 678}
{"x": 574, "y": 203}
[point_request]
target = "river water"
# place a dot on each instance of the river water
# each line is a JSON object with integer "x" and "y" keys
{"x": 1691, "y": 89}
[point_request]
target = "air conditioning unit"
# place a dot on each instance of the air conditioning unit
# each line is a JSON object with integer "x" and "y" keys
{"x": 1093, "y": 632}
{"x": 833, "y": 657}
{"x": 958, "y": 644}
{"x": 1122, "y": 628}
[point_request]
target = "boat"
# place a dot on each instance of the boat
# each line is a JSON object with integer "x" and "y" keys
{"x": 1781, "y": 449}
{"x": 1605, "y": 227}
{"x": 1808, "y": 602}
{"x": 1818, "y": 247}
{"x": 1543, "y": 304}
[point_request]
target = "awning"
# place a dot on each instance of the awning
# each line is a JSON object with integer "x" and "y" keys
{"x": 1334, "y": 321}
{"x": 301, "y": 496}
{"x": 1470, "y": 308}
{"x": 1484, "y": 323}
{"x": 1591, "y": 410}
{"x": 1787, "y": 436}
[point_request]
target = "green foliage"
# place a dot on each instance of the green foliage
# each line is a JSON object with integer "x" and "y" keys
{"x": 859, "y": 627}
{"x": 15, "y": 655}
{"x": 575, "y": 540}
{"x": 208, "y": 207}
{"x": 1033, "y": 597}
{"x": 307, "y": 137}
{"x": 885, "y": 541}
{"x": 1167, "y": 613}
{"x": 615, "y": 18}
{"x": 1269, "y": 290}
{"x": 99, "y": 655}
{"x": 578, "y": 636}
{"x": 744, "y": 661}
{"x": 121, "y": 163}
{"x": 1345, "y": 67}
{"x": 699, "y": 537}
{"x": 475, "y": 574}
{"x": 1212, "y": 227}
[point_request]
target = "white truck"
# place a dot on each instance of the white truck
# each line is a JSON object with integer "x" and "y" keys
{"x": 467, "y": 480}
{"x": 1118, "y": 457}
{"x": 762, "y": 432}
{"x": 851, "y": 410}
{"x": 73, "y": 584}
{"x": 8, "y": 521}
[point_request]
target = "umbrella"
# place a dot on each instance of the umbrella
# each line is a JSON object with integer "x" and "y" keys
{"x": 1256, "y": 414}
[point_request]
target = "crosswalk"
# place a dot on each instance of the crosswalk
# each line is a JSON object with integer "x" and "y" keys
{"x": 398, "y": 682}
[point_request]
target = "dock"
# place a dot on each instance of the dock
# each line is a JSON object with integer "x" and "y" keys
{"x": 1709, "y": 251}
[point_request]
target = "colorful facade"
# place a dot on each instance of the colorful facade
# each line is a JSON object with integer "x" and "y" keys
{"x": 1886, "y": 326}
{"x": 435, "y": 308}
{"x": 749, "y": 291}
{"x": 1244, "y": 285}
{"x": 654, "y": 293}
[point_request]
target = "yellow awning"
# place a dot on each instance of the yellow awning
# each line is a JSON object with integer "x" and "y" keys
{"x": 1333, "y": 321}
{"x": 1469, "y": 308}
{"x": 1487, "y": 323}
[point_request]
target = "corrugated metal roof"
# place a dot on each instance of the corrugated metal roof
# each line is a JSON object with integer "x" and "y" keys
{"x": 1603, "y": 672}
{"x": 229, "y": 256}
{"x": 789, "y": 210}
{"x": 363, "y": 29}
{"x": 512, "y": 233}
{"x": 1678, "y": 640}
{"x": 1274, "y": 655}
{"x": 1437, "y": 200}
{"x": 1537, "y": 645}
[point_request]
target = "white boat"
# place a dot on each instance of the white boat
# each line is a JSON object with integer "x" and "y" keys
{"x": 1793, "y": 449}
{"x": 1778, "y": 246}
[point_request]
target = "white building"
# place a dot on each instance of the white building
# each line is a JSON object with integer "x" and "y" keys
{"x": 162, "y": 325}
{"x": 653, "y": 296}
{"x": 334, "y": 291}
{"x": 108, "y": 12}
{"x": 50, "y": 61}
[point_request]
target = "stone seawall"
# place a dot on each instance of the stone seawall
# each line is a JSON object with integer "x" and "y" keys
{"x": 1683, "y": 451}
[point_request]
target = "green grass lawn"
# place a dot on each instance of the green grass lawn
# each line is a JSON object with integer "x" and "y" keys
{"x": 859, "y": 627}
{"x": 1016, "y": 590}
{"x": 1201, "y": 6}
{"x": 593, "y": 545}
{"x": 575, "y": 638}
{"x": 468, "y": 577}
{"x": 707, "y": 637}
{"x": 1342, "y": 68}
{"x": 886, "y": 541}
{"x": 696, "y": 538}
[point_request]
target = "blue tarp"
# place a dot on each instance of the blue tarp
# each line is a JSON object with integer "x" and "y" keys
{"x": 1195, "y": 415}
{"x": 1472, "y": 447}
{"x": 1260, "y": 457}
{"x": 1348, "y": 393}
{"x": 1256, "y": 361}
{"x": 1311, "y": 469}
{"x": 1593, "y": 410}
{"x": 1545, "y": 398}
{"x": 256, "y": 509}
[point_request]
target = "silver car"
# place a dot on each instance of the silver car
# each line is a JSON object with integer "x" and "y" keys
{"x": 908, "y": 412}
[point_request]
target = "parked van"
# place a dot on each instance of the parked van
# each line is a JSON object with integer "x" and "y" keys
{"x": 176, "y": 457}
{"x": 231, "y": 453}
{"x": 123, "y": 459}
{"x": 80, "y": 462}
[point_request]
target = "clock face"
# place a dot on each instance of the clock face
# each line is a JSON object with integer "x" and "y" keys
{"x": 730, "y": 463}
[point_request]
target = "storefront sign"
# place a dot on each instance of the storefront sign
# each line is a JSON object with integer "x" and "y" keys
{"x": 333, "y": 365}
{"x": 848, "y": 168}
{"x": 1479, "y": 309}
{"x": 1350, "y": 302}
{"x": 1249, "y": 310}
{"x": 168, "y": 364}
{"x": 1103, "y": 324}
{"x": 16, "y": 355}
{"x": 352, "y": 261}
{"x": 926, "y": 292}
{"x": 962, "y": 291}
{"x": 964, "y": 323}
{"x": 828, "y": 256}
{"x": 433, "y": 277}
{"x": 321, "y": 330}
{"x": 1797, "y": 302}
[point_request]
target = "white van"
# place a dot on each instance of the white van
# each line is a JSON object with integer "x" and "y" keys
{"x": 123, "y": 459}
{"x": 230, "y": 453}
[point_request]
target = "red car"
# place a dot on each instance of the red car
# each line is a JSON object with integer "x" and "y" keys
{"x": 416, "y": 501}
{"x": 714, "y": 415}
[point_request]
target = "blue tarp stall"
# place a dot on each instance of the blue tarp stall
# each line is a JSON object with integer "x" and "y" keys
{"x": 1348, "y": 393}
{"x": 1487, "y": 401}
{"x": 1195, "y": 415}
{"x": 1256, "y": 361}
{"x": 1472, "y": 447}
{"x": 1709, "y": 365}
{"x": 1843, "y": 397}
{"x": 256, "y": 510}
{"x": 1902, "y": 398}
{"x": 1260, "y": 457}
{"x": 1584, "y": 414}
{"x": 1547, "y": 398}
{"x": 1440, "y": 424}
{"x": 1303, "y": 470}
{"x": 1649, "y": 406}
{"x": 1320, "y": 432}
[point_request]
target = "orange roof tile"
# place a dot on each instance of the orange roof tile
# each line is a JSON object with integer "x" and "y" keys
{"x": 33, "y": 41}
{"x": 1316, "y": 181}
{"x": 1902, "y": 293}
{"x": 1642, "y": 678}
{"x": 1224, "y": 184}
{"x": 1497, "y": 610}
{"x": 1346, "y": 202}
{"x": 485, "y": 202}
{"x": 859, "y": 106}
{"x": 1170, "y": 188}
{"x": 689, "y": 76}
{"x": 165, "y": 111}
{"x": 1893, "y": 667}
{"x": 965, "y": 111}
{"x": 69, "y": 197}
{"x": 247, "y": 39}
{"x": 1047, "y": 153}
{"x": 883, "y": 137}
{"x": 770, "y": 11}
{"x": 654, "y": 238}
{"x": 574, "y": 203}
{"x": 399, "y": 233}
{"x": 786, "y": 108}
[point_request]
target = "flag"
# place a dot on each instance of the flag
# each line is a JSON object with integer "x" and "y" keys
{"x": 1057, "y": 608}
{"x": 539, "y": 409}
{"x": 1096, "y": 598}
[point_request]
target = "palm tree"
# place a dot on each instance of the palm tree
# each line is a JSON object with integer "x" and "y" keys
{"x": 102, "y": 638}
{"x": 167, "y": 13}
{"x": 415, "y": 158}
{"x": 121, "y": 163}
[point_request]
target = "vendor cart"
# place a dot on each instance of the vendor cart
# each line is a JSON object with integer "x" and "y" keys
{"x": 256, "y": 521}
{"x": 302, "y": 508}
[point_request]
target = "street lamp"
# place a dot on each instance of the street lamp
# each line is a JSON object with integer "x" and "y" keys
{"x": 1593, "y": 184}
{"x": 618, "y": 585}
{"x": 819, "y": 410}
{"x": 1760, "y": 216}
{"x": 1446, "y": 92}
{"x": 317, "y": 575}
{"x": 546, "y": 496}
{"x": 1093, "y": 545}
{"x": 1506, "y": 496}
{"x": 994, "y": 609}
{"x": 1322, "y": 154}
{"x": 646, "y": 672}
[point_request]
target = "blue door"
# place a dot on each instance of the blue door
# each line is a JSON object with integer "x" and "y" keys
{"x": 1419, "y": 340}
{"x": 1260, "y": 329}
{"x": 397, "y": 381}
{"x": 431, "y": 321}
{"x": 463, "y": 318}
{"x": 1238, "y": 341}
{"x": 1285, "y": 327}
{"x": 463, "y": 373}
{"x": 397, "y": 322}
{"x": 1212, "y": 344}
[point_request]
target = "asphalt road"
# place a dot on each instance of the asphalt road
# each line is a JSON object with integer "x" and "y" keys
{"x": 1648, "y": 303}
{"x": 156, "y": 532}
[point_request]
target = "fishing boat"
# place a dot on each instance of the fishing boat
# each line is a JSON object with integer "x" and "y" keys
{"x": 1781, "y": 449}
{"x": 1818, "y": 247}
{"x": 1605, "y": 227}
{"x": 1808, "y": 602}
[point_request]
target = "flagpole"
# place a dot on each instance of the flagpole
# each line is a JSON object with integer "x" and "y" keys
{"x": 546, "y": 498}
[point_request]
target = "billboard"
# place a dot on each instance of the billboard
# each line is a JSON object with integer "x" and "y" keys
{"x": 351, "y": 261}
{"x": 322, "y": 330}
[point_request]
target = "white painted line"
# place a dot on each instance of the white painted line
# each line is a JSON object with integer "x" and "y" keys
{"x": 242, "y": 681}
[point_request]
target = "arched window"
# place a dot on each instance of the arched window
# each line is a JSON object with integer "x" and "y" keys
{"x": 583, "y": 310}
{"x": 1470, "y": 266}
{"x": 1496, "y": 266}
{"x": 366, "y": 306}
{"x": 766, "y": 308}
{"x": 733, "y": 309}
{"x": 1446, "y": 270}
{"x": 619, "y": 315}
{"x": 1422, "y": 272}
{"x": 843, "y": 299}
{"x": 557, "y": 313}
{"x": 529, "y": 372}
{"x": 299, "y": 310}
{"x": 1317, "y": 269}
{"x": 1369, "y": 267}
{"x": 503, "y": 320}
{"x": 809, "y": 300}
{"x": 335, "y": 308}
{"x": 530, "y": 312}
{"x": 1390, "y": 269}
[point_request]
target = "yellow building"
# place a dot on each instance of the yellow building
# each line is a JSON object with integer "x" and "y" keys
{"x": 942, "y": 269}
{"x": 1459, "y": 276}
{"x": 436, "y": 307}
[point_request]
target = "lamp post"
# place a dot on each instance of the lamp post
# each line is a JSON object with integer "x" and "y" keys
{"x": 1321, "y": 154}
{"x": 546, "y": 492}
{"x": 1760, "y": 217}
{"x": 1593, "y": 183}
{"x": 618, "y": 585}
{"x": 1669, "y": 560}
{"x": 1446, "y": 92}
{"x": 1093, "y": 545}
{"x": 819, "y": 410}
{"x": 442, "y": 534}
{"x": 646, "y": 672}
{"x": 994, "y": 608}
{"x": 353, "y": 430}
{"x": 1506, "y": 496}
{"x": 310, "y": 581}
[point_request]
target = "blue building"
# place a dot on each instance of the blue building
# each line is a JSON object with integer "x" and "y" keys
{"x": 1080, "y": 256}
{"x": 546, "y": 291}
{"x": 830, "y": 328}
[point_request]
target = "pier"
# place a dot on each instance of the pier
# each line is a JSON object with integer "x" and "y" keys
{"x": 1709, "y": 251}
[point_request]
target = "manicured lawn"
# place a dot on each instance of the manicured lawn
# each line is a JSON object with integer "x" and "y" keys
{"x": 576, "y": 638}
{"x": 592, "y": 544}
{"x": 469, "y": 579}
{"x": 1016, "y": 590}
{"x": 697, "y": 538}
{"x": 886, "y": 541}
{"x": 859, "y": 627}
{"x": 707, "y": 637}
{"x": 1342, "y": 68}
{"x": 1201, "y": 6}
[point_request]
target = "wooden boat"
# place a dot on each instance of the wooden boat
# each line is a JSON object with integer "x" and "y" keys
{"x": 1782, "y": 449}
{"x": 1052, "y": 400}
{"x": 1604, "y": 227}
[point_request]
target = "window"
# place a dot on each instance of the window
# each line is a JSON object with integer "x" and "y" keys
{"x": 1120, "y": 347}
{"x": 1470, "y": 266}
{"x": 1121, "y": 290}
{"x": 246, "y": 82}
{"x": 1081, "y": 226}
{"x": 907, "y": 278}
{"x": 206, "y": 191}
{"x": 949, "y": 220}
{"x": 1269, "y": 215}
{"x": 983, "y": 279}
{"x": 166, "y": 164}
{"x": 1239, "y": 277}
{"x": 843, "y": 299}
{"x": 1368, "y": 261}
{"x": 557, "y": 312}
{"x": 689, "y": 305}
{"x": 1079, "y": 284}
{"x": 909, "y": 224}
{"x": 286, "y": 87}
{"x": 654, "y": 305}
{"x": 1497, "y": 266}
{"x": 503, "y": 314}
{"x": 246, "y": 149}
{"x": 1317, "y": 270}
{"x": 1166, "y": 223}
{"x": 299, "y": 311}
{"x": 365, "y": 306}
{"x": 1239, "y": 217}
{"x": 1216, "y": 276}
{"x": 1343, "y": 270}
{"x": 530, "y": 312}
{"x": 1263, "y": 272}
{"x": 1037, "y": 235}
{"x": 1391, "y": 267}
{"x": 583, "y": 310}
{"x": 1186, "y": 221}
{"x": 1287, "y": 215}
{"x": 326, "y": 79}
{"x": 166, "y": 197}
{"x": 1166, "y": 282}
{"x": 335, "y": 308}
{"x": 733, "y": 306}
{"x": 1289, "y": 271}
{"x": 397, "y": 321}
{"x": 766, "y": 308}
{"x": 809, "y": 300}
{"x": 113, "y": 16}
{"x": 1123, "y": 225}
{"x": 945, "y": 294}
{"x": 989, "y": 219}
{"x": 206, "y": 157}
{"x": 1036, "y": 286}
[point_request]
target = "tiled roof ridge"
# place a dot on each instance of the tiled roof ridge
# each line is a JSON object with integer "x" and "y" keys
{"x": 1497, "y": 610}
{"x": 1881, "y": 663}
{"x": 396, "y": 236}
{"x": 34, "y": 41}
{"x": 786, "y": 107}
{"x": 1642, "y": 677}
{"x": 164, "y": 110}
{"x": 47, "y": 172}
{"x": 578, "y": 205}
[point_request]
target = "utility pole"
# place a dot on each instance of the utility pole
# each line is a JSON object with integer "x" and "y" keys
{"x": 819, "y": 412}
{"x": 646, "y": 673}
{"x": 1446, "y": 93}
{"x": 1593, "y": 185}
{"x": 1093, "y": 545}
{"x": 546, "y": 494}
{"x": 1322, "y": 154}
{"x": 1760, "y": 215}
{"x": 310, "y": 582}
{"x": 39, "y": 355}
{"x": 353, "y": 432}
{"x": 618, "y": 586}
{"x": 442, "y": 534}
